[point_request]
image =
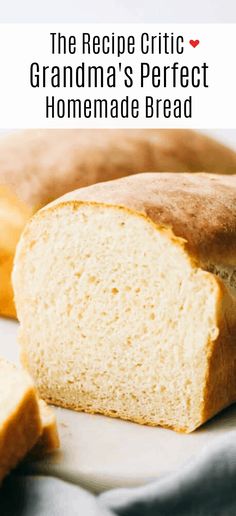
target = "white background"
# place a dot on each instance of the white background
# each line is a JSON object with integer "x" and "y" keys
{"x": 119, "y": 11}
{"x": 124, "y": 11}
{"x": 22, "y": 106}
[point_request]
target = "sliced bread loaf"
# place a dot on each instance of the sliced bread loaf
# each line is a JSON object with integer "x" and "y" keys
{"x": 119, "y": 313}
{"x": 20, "y": 421}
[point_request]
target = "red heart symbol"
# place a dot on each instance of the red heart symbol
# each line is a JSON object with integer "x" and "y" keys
{"x": 194, "y": 42}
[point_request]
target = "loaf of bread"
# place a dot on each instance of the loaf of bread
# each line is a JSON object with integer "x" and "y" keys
{"x": 13, "y": 217}
{"x": 125, "y": 295}
{"x": 41, "y": 165}
{"x": 20, "y": 421}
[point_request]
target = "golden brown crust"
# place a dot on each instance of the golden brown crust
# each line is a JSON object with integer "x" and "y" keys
{"x": 200, "y": 208}
{"x": 13, "y": 217}
{"x": 19, "y": 433}
{"x": 7, "y": 306}
{"x": 41, "y": 165}
{"x": 49, "y": 439}
{"x": 220, "y": 386}
{"x": 47, "y": 443}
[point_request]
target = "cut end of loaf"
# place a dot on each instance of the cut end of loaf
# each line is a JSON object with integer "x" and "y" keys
{"x": 20, "y": 422}
{"x": 116, "y": 318}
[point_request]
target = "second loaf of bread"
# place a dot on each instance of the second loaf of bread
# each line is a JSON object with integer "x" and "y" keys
{"x": 41, "y": 165}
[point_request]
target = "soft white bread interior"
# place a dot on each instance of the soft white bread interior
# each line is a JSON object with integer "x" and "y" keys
{"x": 41, "y": 165}
{"x": 119, "y": 313}
{"x": 20, "y": 421}
{"x": 13, "y": 216}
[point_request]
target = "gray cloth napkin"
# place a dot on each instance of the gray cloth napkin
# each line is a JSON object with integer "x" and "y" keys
{"x": 205, "y": 486}
{"x": 47, "y": 496}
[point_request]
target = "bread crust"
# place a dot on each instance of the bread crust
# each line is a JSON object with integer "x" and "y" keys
{"x": 13, "y": 217}
{"x": 49, "y": 440}
{"x": 199, "y": 208}
{"x": 41, "y": 165}
{"x": 19, "y": 432}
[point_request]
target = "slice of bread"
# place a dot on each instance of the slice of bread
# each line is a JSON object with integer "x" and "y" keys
{"x": 49, "y": 439}
{"x": 13, "y": 217}
{"x": 41, "y": 165}
{"x": 20, "y": 421}
{"x": 119, "y": 313}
